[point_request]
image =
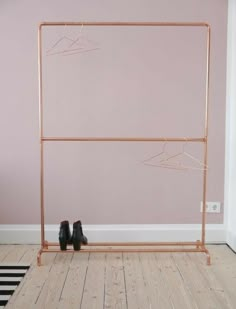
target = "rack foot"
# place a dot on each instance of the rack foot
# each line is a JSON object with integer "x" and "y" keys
{"x": 39, "y": 257}
{"x": 208, "y": 257}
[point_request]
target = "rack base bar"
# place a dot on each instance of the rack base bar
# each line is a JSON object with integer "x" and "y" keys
{"x": 128, "y": 244}
{"x": 128, "y": 247}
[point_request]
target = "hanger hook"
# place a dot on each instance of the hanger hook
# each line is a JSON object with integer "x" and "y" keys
{"x": 164, "y": 146}
{"x": 184, "y": 144}
{"x": 64, "y": 30}
{"x": 81, "y": 28}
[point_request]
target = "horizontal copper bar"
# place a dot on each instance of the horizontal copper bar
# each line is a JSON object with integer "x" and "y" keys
{"x": 122, "y": 139}
{"x": 128, "y": 244}
{"x": 172, "y": 24}
{"x": 126, "y": 250}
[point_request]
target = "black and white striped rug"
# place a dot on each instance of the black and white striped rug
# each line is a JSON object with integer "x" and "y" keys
{"x": 10, "y": 278}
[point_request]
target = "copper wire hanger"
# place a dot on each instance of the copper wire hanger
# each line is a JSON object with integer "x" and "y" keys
{"x": 50, "y": 52}
{"x": 170, "y": 163}
{"x": 161, "y": 154}
{"x": 72, "y": 51}
{"x": 78, "y": 47}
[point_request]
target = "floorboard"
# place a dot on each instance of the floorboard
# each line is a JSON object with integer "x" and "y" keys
{"x": 115, "y": 293}
{"x": 94, "y": 286}
{"x": 71, "y": 296}
{"x": 4, "y": 251}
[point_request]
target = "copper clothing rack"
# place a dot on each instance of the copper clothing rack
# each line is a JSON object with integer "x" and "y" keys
{"x": 197, "y": 246}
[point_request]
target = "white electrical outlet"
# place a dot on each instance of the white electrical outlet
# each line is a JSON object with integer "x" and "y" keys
{"x": 212, "y": 207}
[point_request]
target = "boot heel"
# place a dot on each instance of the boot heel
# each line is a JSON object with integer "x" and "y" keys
{"x": 76, "y": 245}
{"x": 63, "y": 243}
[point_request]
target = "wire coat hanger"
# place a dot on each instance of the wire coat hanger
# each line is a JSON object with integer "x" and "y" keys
{"x": 50, "y": 52}
{"x": 184, "y": 154}
{"x": 162, "y": 154}
{"x": 74, "y": 46}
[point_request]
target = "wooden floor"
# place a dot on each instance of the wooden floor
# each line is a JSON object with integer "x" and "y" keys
{"x": 128, "y": 280}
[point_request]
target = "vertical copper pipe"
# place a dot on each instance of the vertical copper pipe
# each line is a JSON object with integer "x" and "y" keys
{"x": 206, "y": 136}
{"x": 41, "y": 134}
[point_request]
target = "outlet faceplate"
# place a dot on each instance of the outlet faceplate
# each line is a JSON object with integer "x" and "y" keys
{"x": 212, "y": 207}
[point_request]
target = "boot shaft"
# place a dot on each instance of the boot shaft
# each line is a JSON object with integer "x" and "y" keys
{"x": 65, "y": 231}
{"x": 77, "y": 227}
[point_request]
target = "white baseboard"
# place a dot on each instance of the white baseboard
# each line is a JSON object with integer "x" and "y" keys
{"x": 231, "y": 240}
{"x": 30, "y": 234}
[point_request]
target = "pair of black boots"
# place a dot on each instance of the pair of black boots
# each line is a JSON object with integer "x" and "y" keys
{"x": 77, "y": 237}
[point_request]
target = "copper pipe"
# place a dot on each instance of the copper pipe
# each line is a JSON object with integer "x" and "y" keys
{"x": 121, "y": 139}
{"x": 41, "y": 134}
{"x": 208, "y": 256}
{"x": 127, "y": 244}
{"x": 171, "y": 24}
{"x": 110, "y": 250}
{"x": 39, "y": 257}
{"x": 206, "y": 137}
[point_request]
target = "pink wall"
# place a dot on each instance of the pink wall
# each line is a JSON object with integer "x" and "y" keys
{"x": 114, "y": 91}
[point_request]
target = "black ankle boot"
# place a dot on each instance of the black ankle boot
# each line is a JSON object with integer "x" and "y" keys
{"x": 64, "y": 235}
{"x": 76, "y": 236}
{"x": 84, "y": 239}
